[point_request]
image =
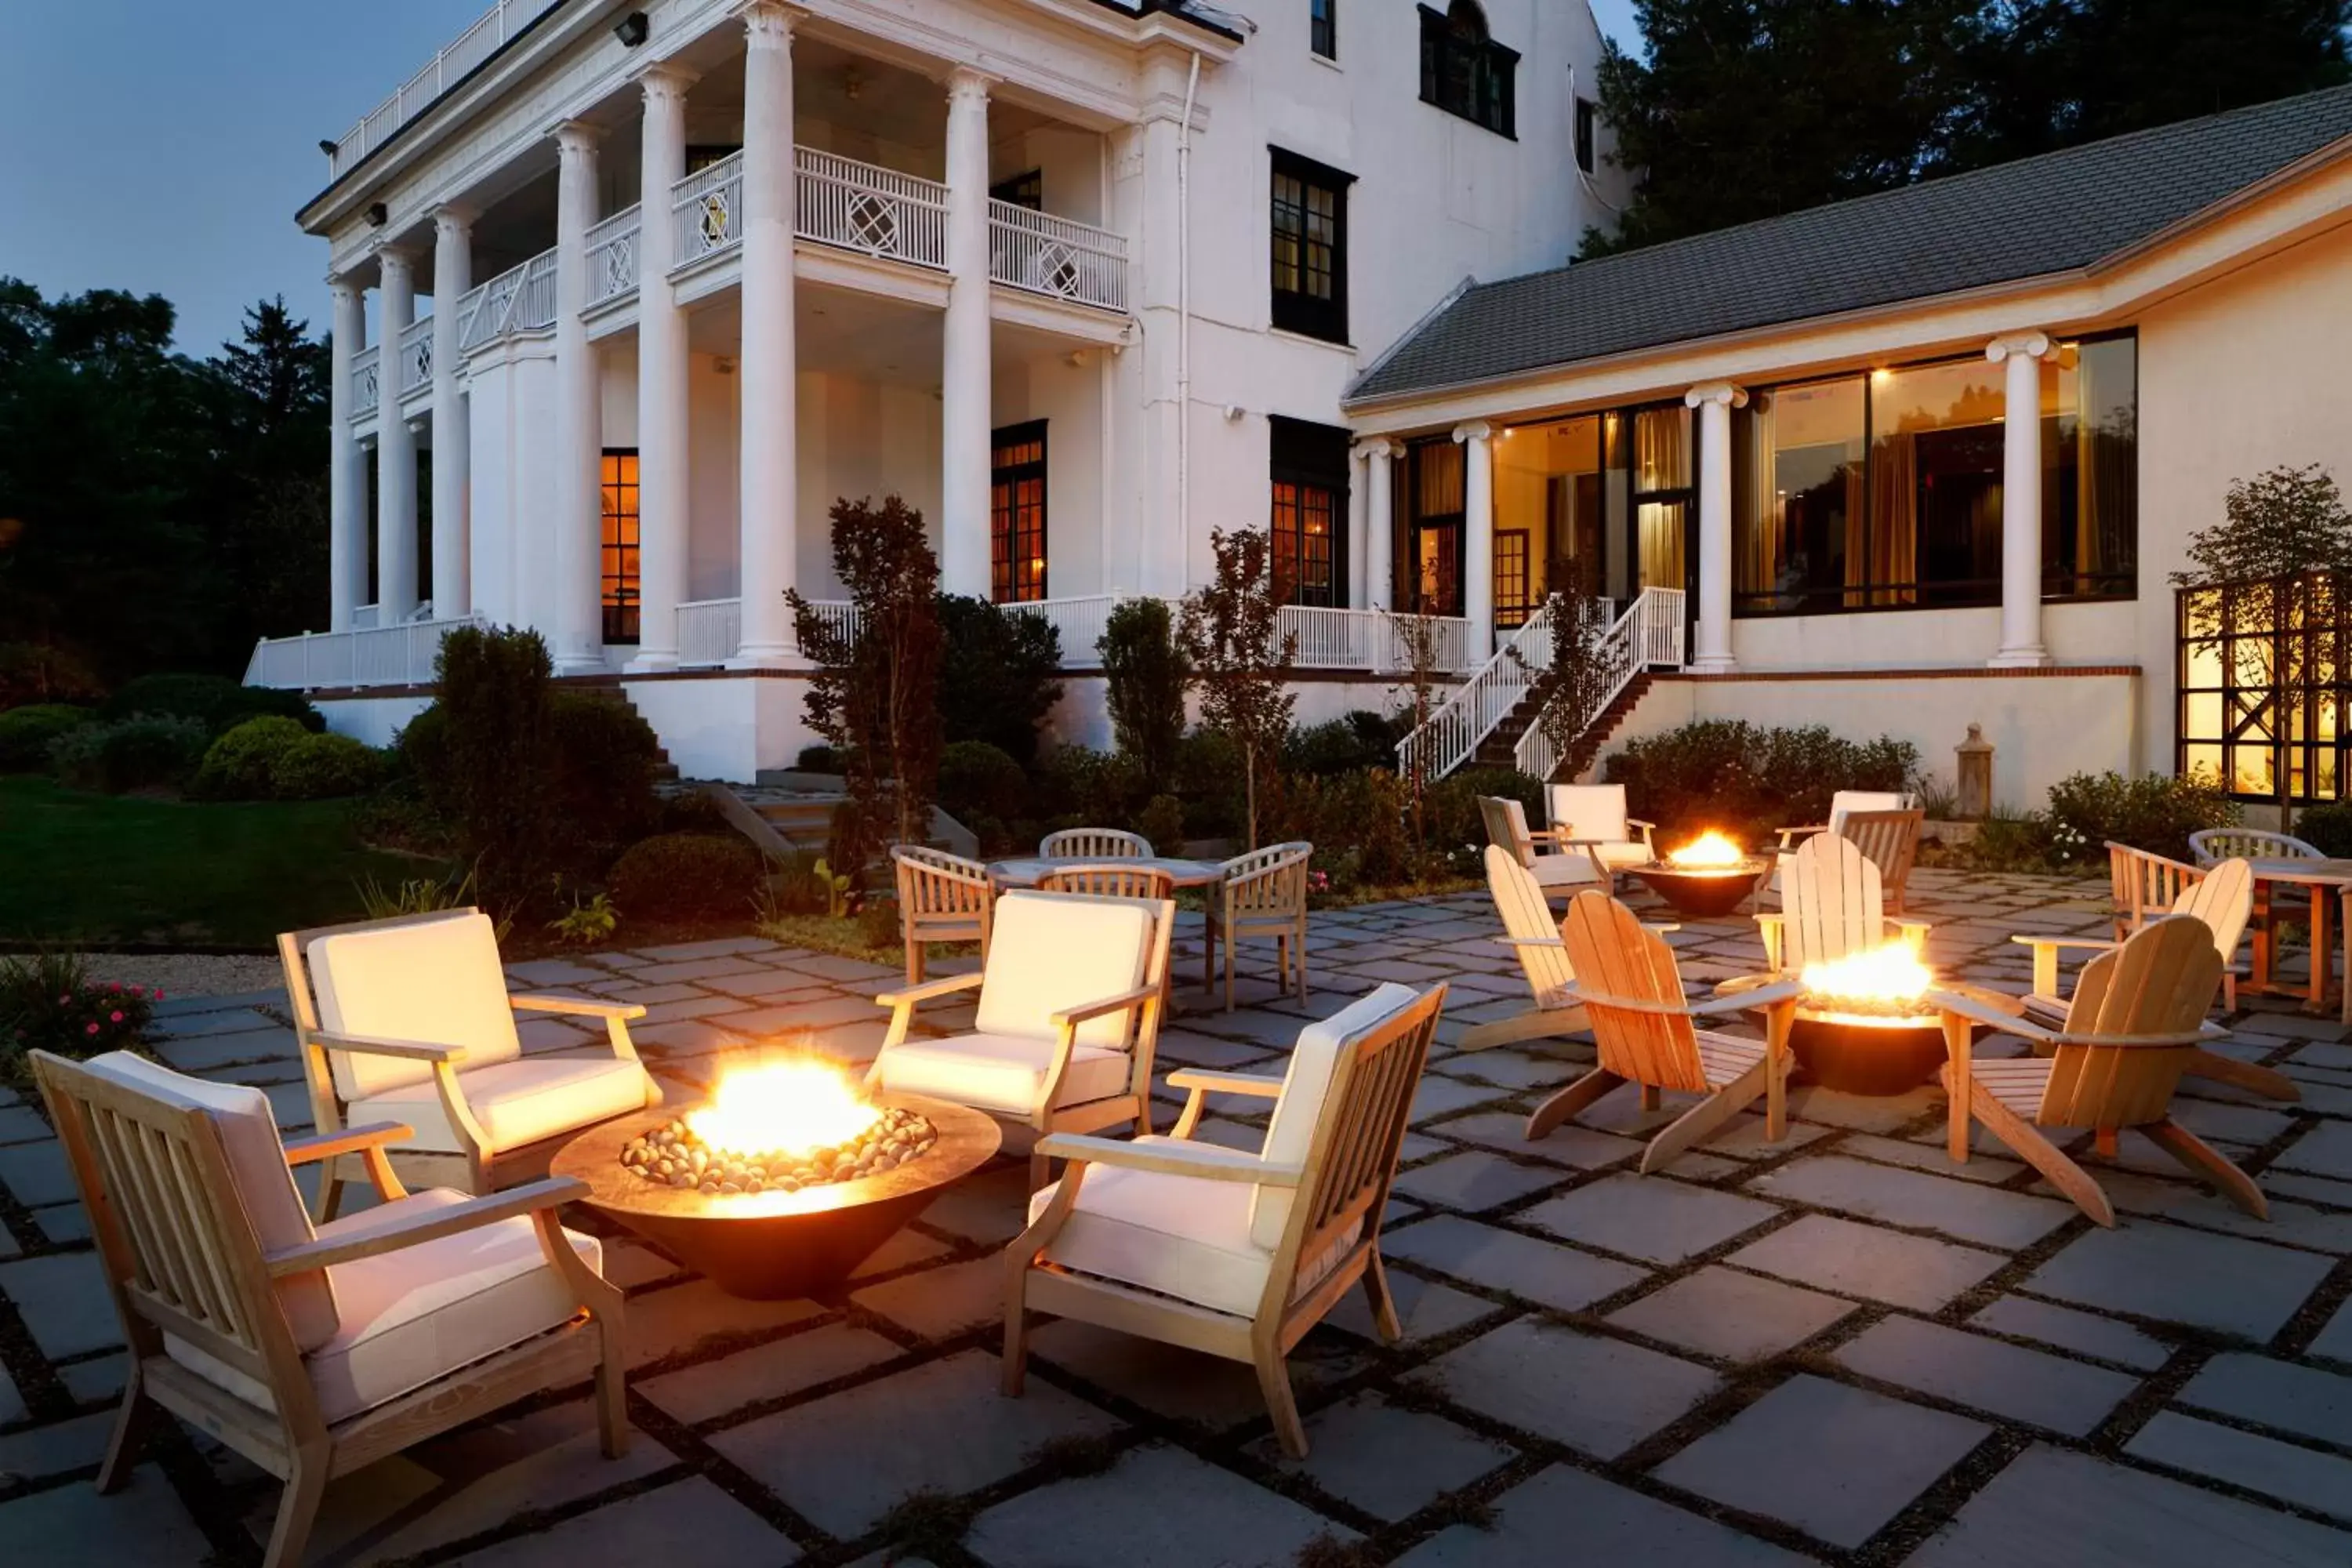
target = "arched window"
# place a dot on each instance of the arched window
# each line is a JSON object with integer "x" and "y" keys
{"x": 1463, "y": 71}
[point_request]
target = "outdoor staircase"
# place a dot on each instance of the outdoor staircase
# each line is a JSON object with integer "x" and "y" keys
{"x": 1500, "y": 749}
{"x": 608, "y": 689}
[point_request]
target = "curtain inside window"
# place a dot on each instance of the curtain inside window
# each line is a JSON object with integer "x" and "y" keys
{"x": 1889, "y": 556}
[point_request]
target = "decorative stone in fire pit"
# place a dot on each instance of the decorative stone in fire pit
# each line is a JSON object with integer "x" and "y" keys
{"x": 1705, "y": 879}
{"x": 784, "y": 1182}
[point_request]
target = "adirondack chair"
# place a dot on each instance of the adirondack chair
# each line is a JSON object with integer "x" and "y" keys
{"x": 2141, "y": 884}
{"x": 2223, "y": 896}
{"x": 1260, "y": 895}
{"x": 1843, "y": 804}
{"x": 2137, "y": 1019}
{"x": 1830, "y": 905}
{"x": 2214, "y": 844}
{"x": 1528, "y": 927}
{"x": 1647, "y": 1032}
{"x": 1593, "y": 817}
{"x": 1093, "y": 843}
{"x": 941, "y": 898}
{"x": 1558, "y": 875}
{"x": 1890, "y": 840}
{"x": 1225, "y": 1251}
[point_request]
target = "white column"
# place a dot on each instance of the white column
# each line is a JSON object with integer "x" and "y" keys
{"x": 395, "y": 447}
{"x": 1380, "y": 522}
{"x": 2021, "y": 500}
{"x": 346, "y": 463}
{"x": 771, "y": 361}
{"x": 1478, "y": 527}
{"x": 965, "y": 418}
{"x": 453, "y": 546}
{"x": 578, "y": 632}
{"x": 1711, "y": 655}
{"x": 662, "y": 396}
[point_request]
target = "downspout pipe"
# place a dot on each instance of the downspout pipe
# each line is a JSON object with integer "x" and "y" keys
{"x": 1184, "y": 319}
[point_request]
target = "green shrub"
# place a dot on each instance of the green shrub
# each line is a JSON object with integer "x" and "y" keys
{"x": 1356, "y": 822}
{"x": 2326, "y": 826}
{"x": 145, "y": 752}
{"x": 1161, "y": 820}
{"x": 241, "y": 764}
{"x": 326, "y": 767}
{"x": 1450, "y": 813}
{"x": 1356, "y": 740}
{"x": 2010, "y": 841}
{"x": 685, "y": 876}
{"x": 497, "y": 777}
{"x": 1093, "y": 789}
{"x": 604, "y": 757}
{"x": 1145, "y": 673}
{"x": 996, "y": 675}
{"x": 1209, "y": 781}
{"x": 2155, "y": 811}
{"x": 1749, "y": 781}
{"x": 819, "y": 760}
{"x": 26, "y": 734}
{"x": 49, "y": 1002}
{"x": 214, "y": 701}
{"x": 978, "y": 780}
{"x": 35, "y": 673}
{"x": 422, "y": 748}
{"x": 690, "y": 811}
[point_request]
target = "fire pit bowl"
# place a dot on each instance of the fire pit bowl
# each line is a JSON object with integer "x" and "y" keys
{"x": 1702, "y": 892}
{"x": 776, "y": 1245}
{"x": 1854, "y": 1050}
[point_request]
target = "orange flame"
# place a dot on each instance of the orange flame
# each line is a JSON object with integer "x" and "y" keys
{"x": 1710, "y": 848}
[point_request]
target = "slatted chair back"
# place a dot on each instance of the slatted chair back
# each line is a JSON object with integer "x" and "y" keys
{"x": 2223, "y": 897}
{"x": 1831, "y": 902}
{"x": 1519, "y": 899}
{"x": 2141, "y": 884}
{"x": 1633, "y": 992}
{"x": 1890, "y": 840}
{"x": 938, "y": 889}
{"x": 2137, "y": 1018}
{"x": 1266, "y": 884}
{"x": 2216, "y": 844}
{"x": 1093, "y": 843}
{"x": 1111, "y": 879}
{"x": 1846, "y": 803}
{"x": 1507, "y": 824}
{"x": 1351, "y": 1160}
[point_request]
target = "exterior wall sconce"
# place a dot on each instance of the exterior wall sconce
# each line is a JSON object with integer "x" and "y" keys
{"x": 631, "y": 29}
{"x": 377, "y": 214}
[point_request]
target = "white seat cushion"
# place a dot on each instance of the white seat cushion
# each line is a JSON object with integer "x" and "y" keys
{"x": 256, "y": 1162}
{"x": 1622, "y": 853}
{"x": 436, "y": 983}
{"x": 1572, "y": 868}
{"x": 517, "y": 1103}
{"x": 1589, "y": 811}
{"x": 1186, "y": 1237}
{"x": 421, "y": 1312}
{"x": 1051, "y": 951}
{"x": 996, "y": 1072}
{"x": 1306, "y": 1083}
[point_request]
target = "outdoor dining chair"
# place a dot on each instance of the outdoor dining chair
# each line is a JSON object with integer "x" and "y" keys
{"x": 2212, "y": 845}
{"x": 1093, "y": 843}
{"x": 1111, "y": 879}
{"x": 1260, "y": 896}
{"x": 941, "y": 898}
{"x": 2141, "y": 884}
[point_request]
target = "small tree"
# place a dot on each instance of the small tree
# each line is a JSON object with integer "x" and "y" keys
{"x": 1242, "y": 661}
{"x": 1581, "y": 674}
{"x": 996, "y": 674}
{"x": 876, "y": 696}
{"x": 496, "y": 742}
{"x": 1146, "y": 676}
{"x": 1417, "y": 699}
{"x": 2270, "y": 578}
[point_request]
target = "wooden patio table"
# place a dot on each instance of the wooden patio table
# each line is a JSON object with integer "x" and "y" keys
{"x": 1030, "y": 871}
{"x": 2326, "y": 880}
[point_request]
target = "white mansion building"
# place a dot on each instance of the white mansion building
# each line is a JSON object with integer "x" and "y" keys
{"x": 1081, "y": 279}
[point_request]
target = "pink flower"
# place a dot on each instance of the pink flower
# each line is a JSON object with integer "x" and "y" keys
{"x": 115, "y": 1016}
{"x": 65, "y": 1001}
{"x": 89, "y": 1028}
{"x": 158, "y": 994}
{"x": 114, "y": 986}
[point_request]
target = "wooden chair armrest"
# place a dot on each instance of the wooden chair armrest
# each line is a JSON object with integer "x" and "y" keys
{"x": 1910, "y": 929}
{"x": 1209, "y": 1081}
{"x": 1118, "y": 1003}
{"x": 1984, "y": 1013}
{"x": 1214, "y": 1161}
{"x": 2102, "y": 943}
{"x": 1788, "y": 834}
{"x": 1551, "y": 942}
{"x": 945, "y": 985}
{"x": 426, "y": 1227}
{"x": 412, "y": 1050}
{"x": 585, "y": 1006}
{"x": 350, "y": 1140}
{"x": 1770, "y": 995}
{"x": 1646, "y": 827}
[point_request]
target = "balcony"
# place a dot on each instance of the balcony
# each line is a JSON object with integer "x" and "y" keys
{"x": 367, "y": 389}
{"x": 519, "y": 300}
{"x": 446, "y": 68}
{"x": 416, "y": 357}
{"x": 612, "y": 258}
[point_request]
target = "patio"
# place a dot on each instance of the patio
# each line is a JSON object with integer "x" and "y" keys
{"x": 1839, "y": 1349}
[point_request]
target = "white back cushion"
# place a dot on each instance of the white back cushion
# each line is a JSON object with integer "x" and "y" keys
{"x": 1052, "y": 951}
{"x": 1291, "y": 1132}
{"x": 1590, "y": 811}
{"x": 1847, "y": 801}
{"x": 256, "y": 1162}
{"x": 435, "y": 983}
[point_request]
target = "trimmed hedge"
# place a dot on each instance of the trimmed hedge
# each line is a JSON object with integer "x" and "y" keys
{"x": 683, "y": 876}
{"x": 324, "y": 767}
{"x": 216, "y": 701}
{"x": 26, "y": 734}
{"x": 241, "y": 764}
{"x": 145, "y": 752}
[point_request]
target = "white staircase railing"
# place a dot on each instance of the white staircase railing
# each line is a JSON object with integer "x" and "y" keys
{"x": 1649, "y": 632}
{"x": 1653, "y": 629}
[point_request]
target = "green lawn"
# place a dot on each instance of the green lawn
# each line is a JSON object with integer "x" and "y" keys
{"x": 109, "y": 868}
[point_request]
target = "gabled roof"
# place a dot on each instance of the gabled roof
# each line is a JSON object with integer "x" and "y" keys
{"x": 2052, "y": 214}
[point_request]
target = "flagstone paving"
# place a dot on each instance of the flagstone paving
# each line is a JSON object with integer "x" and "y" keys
{"x": 1838, "y": 1349}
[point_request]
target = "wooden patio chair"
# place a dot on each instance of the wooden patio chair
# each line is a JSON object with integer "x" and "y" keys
{"x": 1593, "y": 817}
{"x": 1843, "y": 804}
{"x": 1890, "y": 840}
{"x": 313, "y": 1352}
{"x": 409, "y": 1020}
{"x": 2213, "y": 845}
{"x": 1220, "y": 1250}
{"x": 1560, "y": 873}
{"x": 1093, "y": 843}
{"x": 1111, "y": 879}
{"x": 1831, "y": 904}
{"x": 2137, "y": 1019}
{"x": 1258, "y": 896}
{"x": 1647, "y": 1032}
{"x": 941, "y": 898}
{"x": 1071, "y": 997}
{"x": 2141, "y": 884}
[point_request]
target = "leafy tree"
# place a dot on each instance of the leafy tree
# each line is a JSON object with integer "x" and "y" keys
{"x": 2270, "y": 574}
{"x": 1146, "y": 676}
{"x": 1582, "y": 675}
{"x": 996, "y": 675}
{"x": 1241, "y": 658}
{"x": 876, "y": 696}
{"x": 490, "y": 759}
{"x": 1418, "y": 698}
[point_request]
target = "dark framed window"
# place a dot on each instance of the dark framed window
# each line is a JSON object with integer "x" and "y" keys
{"x": 1017, "y": 514}
{"x": 1023, "y": 190}
{"x": 1464, "y": 72}
{"x": 1513, "y": 590}
{"x": 2237, "y": 721}
{"x": 1310, "y": 246}
{"x": 1323, "y": 28}
{"x": 1588, "y": 132}
{"x": 621, "y": 596}
{"x": 1435, "y": 470}
{"x": 701, "y": 155}
{"x": 1307, "y": 464}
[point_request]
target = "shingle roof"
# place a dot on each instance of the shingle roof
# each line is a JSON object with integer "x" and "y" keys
{"x": 2050, "y": 214}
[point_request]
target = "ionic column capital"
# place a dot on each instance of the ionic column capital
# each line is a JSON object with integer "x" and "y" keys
{"x": 1473, "y": 430}
{"x": 344, "y": 289}
{"x": 1722, "y": 393}
{"x": 2031, "y": 345}
{"x": 394, "y": 259}
{"x": 1377, "y": 446}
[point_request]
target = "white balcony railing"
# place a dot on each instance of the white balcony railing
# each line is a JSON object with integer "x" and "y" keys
{"x": 710, "y": 631}
{"x": 416, "y": 356}
{"x": 1368, "y": 640}
{"x": 367, "y": 383}
{"x": 612, "y": 258}
{"x": 365, "y": 656}
{"x": 865, "y": 207}
{"x": 519, "y": 300}
{"x": 445, "y": 70}
{"x": 1056, "y": 256}
{"x": 708, "y": 207}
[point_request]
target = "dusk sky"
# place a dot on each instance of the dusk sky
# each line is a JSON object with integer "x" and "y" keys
{"x": 163, "y": 147}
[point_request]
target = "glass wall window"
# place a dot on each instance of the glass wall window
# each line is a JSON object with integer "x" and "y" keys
{"x": 1434, "y": 482}
{"x": 1017, "y": 514}
{"x": 1800, "y": 471}
{"x": 1307, "y": 468}
{"x": 2090, "y": 461}
{"x": 2238, "y": 721}
{"x": 620, "y": 544}
{"x": 1548, "y": 490}
{"x": 1662, "y": 495}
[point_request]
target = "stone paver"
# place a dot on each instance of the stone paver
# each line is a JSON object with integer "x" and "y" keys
{"x": 1579, "y": 1148}
{"x": 1853, "y": 1259}
{"x": 1425, "y": 1308}
{"x": 63, "y": 1300}
{"x": 1157, "y": 1508}
{"x": 1598, "y": 1396}
{"x": 939, "y": 1303}
{"x": 715, "y": 1530}
{"x": 1498, "y": 1259}
{"x": 1836, "y": 1462}
{"x": 1474, "y": 1179}
{"x": 1987, "y": 1375}
{"x": 2153, "y": 1270}
{"x": 2082, "y": 1333}
{"x": 771, "y": 1370}
{"x": 146, "y": 1522}
{"x": 36, "y": 1174}
{"x": 1534, "y": 1520}
{"x": 1916, "y": 1200}
{"x": 1654, "y": 1218}
{"x": 2305, "y": 1477}
{"x": 1739, "y": 1317}
{"x": 1386, "y": 1461}
{"x": 2301, "y": 1400}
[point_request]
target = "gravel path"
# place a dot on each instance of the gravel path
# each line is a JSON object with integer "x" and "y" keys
{"x": 188, "y": 973}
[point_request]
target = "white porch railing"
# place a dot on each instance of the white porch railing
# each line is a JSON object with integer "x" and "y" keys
{"x": 519, "y": 300}
{"x": 1369, "y": 639}
{"x": 1649, "y": 632}
{"x": 1079, "y": 622}
{"x": 867, "y": 208}
{"x": 710, "y": 631}
{"x": 365, "y": 656}
{"x": 1056, "y": 256}
{"x": 363, "y": 617}
{"x": 416, "y": 356}
{"x": 708, "y": 207}
{"x": 367, "y": 382}
{"x": 446, "y": 68}
{"x": 612, "y": 258}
